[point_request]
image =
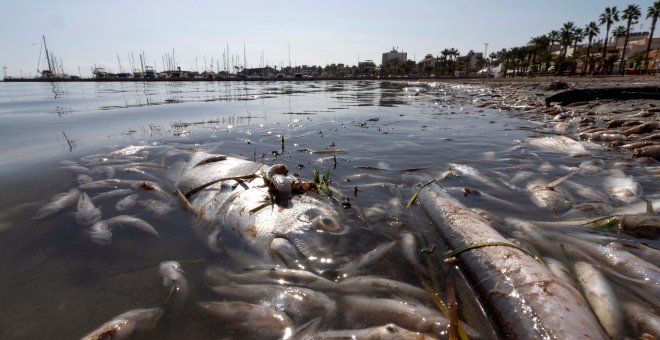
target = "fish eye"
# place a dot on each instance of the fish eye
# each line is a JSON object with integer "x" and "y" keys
{"x": 390, "y": 329}
{"x": 326, "y": 223}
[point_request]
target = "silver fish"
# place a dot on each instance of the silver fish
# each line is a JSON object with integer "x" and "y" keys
{"x": 412, "y": 316}
{"x": 560, "y": 271}
{"x": 365, "y": 260}
{"x": 643, "y": 318}
{"x": 77, "y": 168}
{"x": 126, "y": 202}
{"x": 386, "y": 332}
{"x": 545, "y": 195}
{"x": 101, "y": 231}
{"x": 123, "y": 326}
{"x": 241, "y": 218}
{"x": 624, "y": 189}
{"x": 601, "y": 298}
{"x": 298, "y": 302}
{"x": 258, "y": 321}
{"x": 410, "y": 249}
{"x": 293, "y": 277}
{"x": 561, "y": 144}
{"x": 546, "y": 305}
{"x": 373, "y": 285}
{"x": 84, "y": 178}
{"x": 58, "y": 203}
{"x": 87, "y": 213}
{"x": 467, "y": 171}
{"x": 156, "y": 207}
{"x": 173, "y": 278}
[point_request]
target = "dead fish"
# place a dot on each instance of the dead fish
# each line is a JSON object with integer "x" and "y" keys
{"x": 601, "y": 298}
{"x": 129, "y": 150}
{"x": 471, "y": 192}
{"x": 624, "y": 189}
{"x": 101, "y": 231}
{"x": 373, "y": 285}
{"x": 644, "y": 319}
{"x": 111, "y": 183}
{"x": 652, "y": 151}
{"x": 560, "y": 271}
{"x": 413, "y": 316}
{"x": 545, "y": 196}
{"x": 260, "y": 321}
{"x": 298, "y": 302}
{"x": 586, "y": 192}
{"x": 552, "y": 307}
{"x": 410, "y": 249}
{"x": 561, "y": 144}
{"x": 58, "y": 203}
{"x": 173, "y": 278}
{"x": 296, "y": 277}
{"x": 643, "y": 226}
{"x": 386, "y": 332}
{"x": 641, "y": 276}
{"x": 156, "y": 207}
{"x": 123, "y": 326}
{"x": 471, "y": 173}
{"x": 108, "y": 170}
{"x": 84, "y": 178}
{"x": 589, "y": 209}
{"x": 365, "y": 260}
{"x": 126, "y": 202}
{"x": 87, "y": 213}
{"x": 77, "y": 168}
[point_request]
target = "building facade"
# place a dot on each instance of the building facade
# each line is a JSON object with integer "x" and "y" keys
{"x": 394, "y": 56}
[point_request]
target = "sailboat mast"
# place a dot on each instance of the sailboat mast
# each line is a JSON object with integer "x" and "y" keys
{"x": 47, "y": 55}
{"x": 119, "y": 62}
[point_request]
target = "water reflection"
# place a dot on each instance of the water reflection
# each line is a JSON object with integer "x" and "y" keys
{"x": 393, "y": 137}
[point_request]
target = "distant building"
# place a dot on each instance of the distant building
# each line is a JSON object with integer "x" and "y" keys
{"x": 394, "y": 56}
{"x": 428, "y": 62}
{"x": 367, "y": 67}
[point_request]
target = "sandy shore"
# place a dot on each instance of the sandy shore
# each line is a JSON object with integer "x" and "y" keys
{"x": 632, "y": 126}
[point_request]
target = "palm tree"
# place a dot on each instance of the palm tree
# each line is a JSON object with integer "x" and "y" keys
{"x": 591, "y": 30}
{"x": 537, "y": 43}
{"x": 553, "y": 36}
{"x": 619, "y": 31}
{"x": 608, "y": 17}
{"x": 578, "y": 35}
{"x": 653, "y": 12}
{"x": 631, "y": 14}
{"x": 566, "y": 35}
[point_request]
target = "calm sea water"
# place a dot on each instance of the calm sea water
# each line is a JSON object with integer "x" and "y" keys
{"x": 55, "y": 283}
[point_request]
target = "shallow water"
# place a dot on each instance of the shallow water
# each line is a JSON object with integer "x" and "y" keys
{"x": 56, "y": 283}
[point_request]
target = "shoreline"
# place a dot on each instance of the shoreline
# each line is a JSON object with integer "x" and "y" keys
{"x": 631, "y": 126}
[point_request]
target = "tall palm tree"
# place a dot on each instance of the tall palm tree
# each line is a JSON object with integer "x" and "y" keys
{"x": 591, "y": 30}
{"x": 553, "y": 36}
{"x": 537, "y": 43}
{"x": 618, "y": 32}
{"x": 630, "y": 14}
{"x": 578, "y": 35}
{"x": 607, "y": 18}
{"x": 566, "y": 35}
{"x": 652, "y": 12}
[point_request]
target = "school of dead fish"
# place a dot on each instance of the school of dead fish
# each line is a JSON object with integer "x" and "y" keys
{"x": 618, "y": 277}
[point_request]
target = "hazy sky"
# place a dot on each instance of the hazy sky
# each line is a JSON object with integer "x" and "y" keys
{"x": 91, "y": 32}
